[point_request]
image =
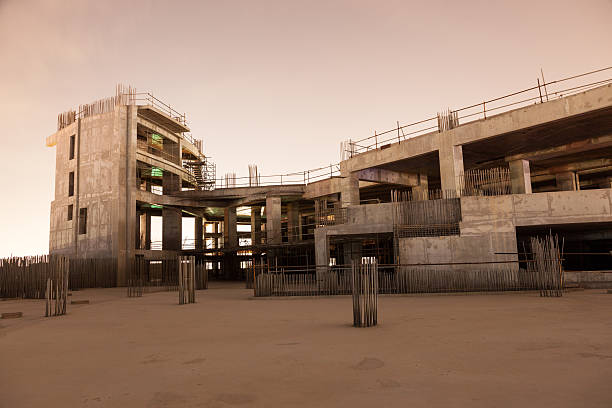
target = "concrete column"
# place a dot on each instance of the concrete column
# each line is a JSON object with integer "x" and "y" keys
{"x": 137, "y": 230}
{"x": 566, "y": 181}
{"x": 199, "y": 233}
{"x": 451, "y": 166}
{"x": 421, "y": 192}
{"x": 349, "y": 190}
{"x": 273, "y": 220}
{"x": 293, "y": 220}
{"x": 172, "y": 229}
{"x": 255, "y": 225}
{"x": 143, "y": 230}
{"x": 230, "y": 232}
{"x": 230, "y": 240}
{"x": 520, "y": 177}
{"x": 321, "y": 253}
{"x": 172, "y": 218}
{"x": 147, "y": 231}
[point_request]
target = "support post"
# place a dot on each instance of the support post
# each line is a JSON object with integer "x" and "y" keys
{"x": 199, "y": 233}
{"x": 566, "y": 181}
{"x": 451, "y": 166}
{"x": 349, "y": 190}
{"x": 520, "y": 177}
{"x": 273, "y": 221}
{"x": 172, "y": 222}
{"x": 255, "y": 225}
{"x": 293, "y": 215}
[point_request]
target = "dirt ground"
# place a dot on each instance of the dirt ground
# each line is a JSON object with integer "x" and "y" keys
{"x": 228, "y": 349}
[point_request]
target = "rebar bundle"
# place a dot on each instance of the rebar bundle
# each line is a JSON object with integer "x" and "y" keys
{"x": 136, "y": 277}
{"x": 365, "y": 294}
{"x": 253, "y": 175}
{"x": 230, "y": 180}
{"x": 186, "y": 279}
{"x": 414, "y": 216}
{"x": 65, "y": 118}
{"x": 395, "y": 279}
{"x": 56, "y": 292}
{"x": 447, "y": 120}
{"x": 486, "y": 182}
{"x": 547, "y": 265}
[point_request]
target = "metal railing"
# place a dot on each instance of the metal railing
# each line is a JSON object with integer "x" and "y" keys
{"x": 149, "y": 99}
{"x": 542, "y": 92}
{"x": 296, "y": 178}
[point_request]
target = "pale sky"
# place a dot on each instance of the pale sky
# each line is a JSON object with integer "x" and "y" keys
{"x": 275, "y": 83}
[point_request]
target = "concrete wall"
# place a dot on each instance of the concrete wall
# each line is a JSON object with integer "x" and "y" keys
{"x": 96, "y": 180}
{"x": 370, "y": 214}
{"x": 489, "y": 224}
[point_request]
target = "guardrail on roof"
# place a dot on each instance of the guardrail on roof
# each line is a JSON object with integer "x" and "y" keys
{"x": 542, "y": 92}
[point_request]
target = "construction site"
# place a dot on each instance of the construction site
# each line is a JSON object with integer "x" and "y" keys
{"x": 465, "y": 189}
{"x": 509, "y": 197}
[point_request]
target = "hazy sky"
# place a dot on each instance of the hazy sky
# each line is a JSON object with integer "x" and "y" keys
{"x": 275, "y": 83}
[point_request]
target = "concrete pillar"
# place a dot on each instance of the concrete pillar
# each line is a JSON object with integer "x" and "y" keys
{"x": 321, "y": 253}
{"x": 147, "y": 231}
{"x": 255, "y": 225}
{"x": 172, "y": 218}
{"x": 230, "y": 241}
{"x": 143, "y": 230}
{"x": 293, "y": 220}
{"x": 199, "y": 233}
{"x": 172, "y": 229}
{"x": 137, "y": 229}
{"x": 421, "y": 192}
{"x": 566, "y": 181}
{"x": 230, "y": 232}
{"x": 451, "y": 166}
{"x": 349, "y": 190}
{"x": 520, "y": 177}
{"x": 273, "y": 221}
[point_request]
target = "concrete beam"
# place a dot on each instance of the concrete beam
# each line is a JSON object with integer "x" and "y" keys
{"x": 563, "y": 150}
{"x": 388, "y": 177}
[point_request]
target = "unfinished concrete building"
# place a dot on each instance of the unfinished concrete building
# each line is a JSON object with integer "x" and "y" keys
{"x": 465, "y": 186}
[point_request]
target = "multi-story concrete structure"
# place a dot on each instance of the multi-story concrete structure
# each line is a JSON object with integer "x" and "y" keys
{"x": 484, "y": 178}
{"x": 112, "y": 155}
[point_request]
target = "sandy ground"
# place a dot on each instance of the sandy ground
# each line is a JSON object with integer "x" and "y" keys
{"x": 230, "y": 350}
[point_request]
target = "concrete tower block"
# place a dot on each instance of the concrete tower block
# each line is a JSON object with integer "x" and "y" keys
{"x": 273, "y": 220}
{"x": 520, "y": 177}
